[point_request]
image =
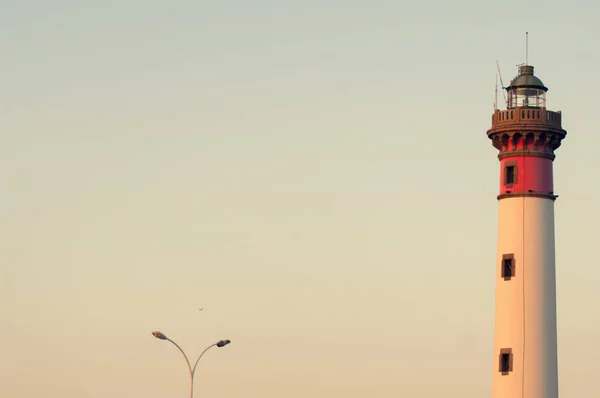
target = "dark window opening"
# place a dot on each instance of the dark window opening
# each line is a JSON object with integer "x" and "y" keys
{"x": 509, "y": 175}
{"x": 508, "y": 266}
{"x": 505, "y": 362}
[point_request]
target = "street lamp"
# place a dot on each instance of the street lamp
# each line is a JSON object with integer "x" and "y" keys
{"x": 192, "y": 370}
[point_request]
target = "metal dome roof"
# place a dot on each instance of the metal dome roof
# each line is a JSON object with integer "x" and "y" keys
{"x": 526, "y": 79}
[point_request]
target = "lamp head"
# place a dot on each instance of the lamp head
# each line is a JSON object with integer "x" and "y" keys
{"x": 223, "y": 343}
{"x": 159, "y": 335}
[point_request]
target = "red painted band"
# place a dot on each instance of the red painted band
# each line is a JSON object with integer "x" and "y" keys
{"x": 530, "y": 174}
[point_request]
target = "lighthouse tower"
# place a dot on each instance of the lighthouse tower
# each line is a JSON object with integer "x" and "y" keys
{"x": 526, "y": 135}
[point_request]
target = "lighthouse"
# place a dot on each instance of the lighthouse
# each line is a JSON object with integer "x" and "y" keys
{"x": 526, "y": 135}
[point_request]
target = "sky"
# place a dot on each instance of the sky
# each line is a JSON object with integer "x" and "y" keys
{"x": 315, "y": 175}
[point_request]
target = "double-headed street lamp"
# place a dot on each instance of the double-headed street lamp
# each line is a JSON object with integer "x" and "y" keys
{"x": 220, "y": 343}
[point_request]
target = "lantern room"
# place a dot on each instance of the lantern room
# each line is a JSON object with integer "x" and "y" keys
{"x": 526, "y": 90}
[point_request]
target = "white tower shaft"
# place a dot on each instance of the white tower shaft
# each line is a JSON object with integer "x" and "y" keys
{"x": 525, "y": 323}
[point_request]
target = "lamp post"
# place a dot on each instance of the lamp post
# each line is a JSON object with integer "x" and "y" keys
{"x": 192, "y": 370}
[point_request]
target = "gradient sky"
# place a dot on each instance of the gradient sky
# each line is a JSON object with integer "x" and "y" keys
{"x": 314, "y": 174}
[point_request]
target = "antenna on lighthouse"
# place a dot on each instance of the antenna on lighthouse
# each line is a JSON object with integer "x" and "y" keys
{"x": 496, "y": 94}
{"x": 502, "y": 84}
{"x": 526, "y": 48}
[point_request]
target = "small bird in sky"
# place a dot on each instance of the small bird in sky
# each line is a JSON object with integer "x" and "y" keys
{"x": 200, "y": 309}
